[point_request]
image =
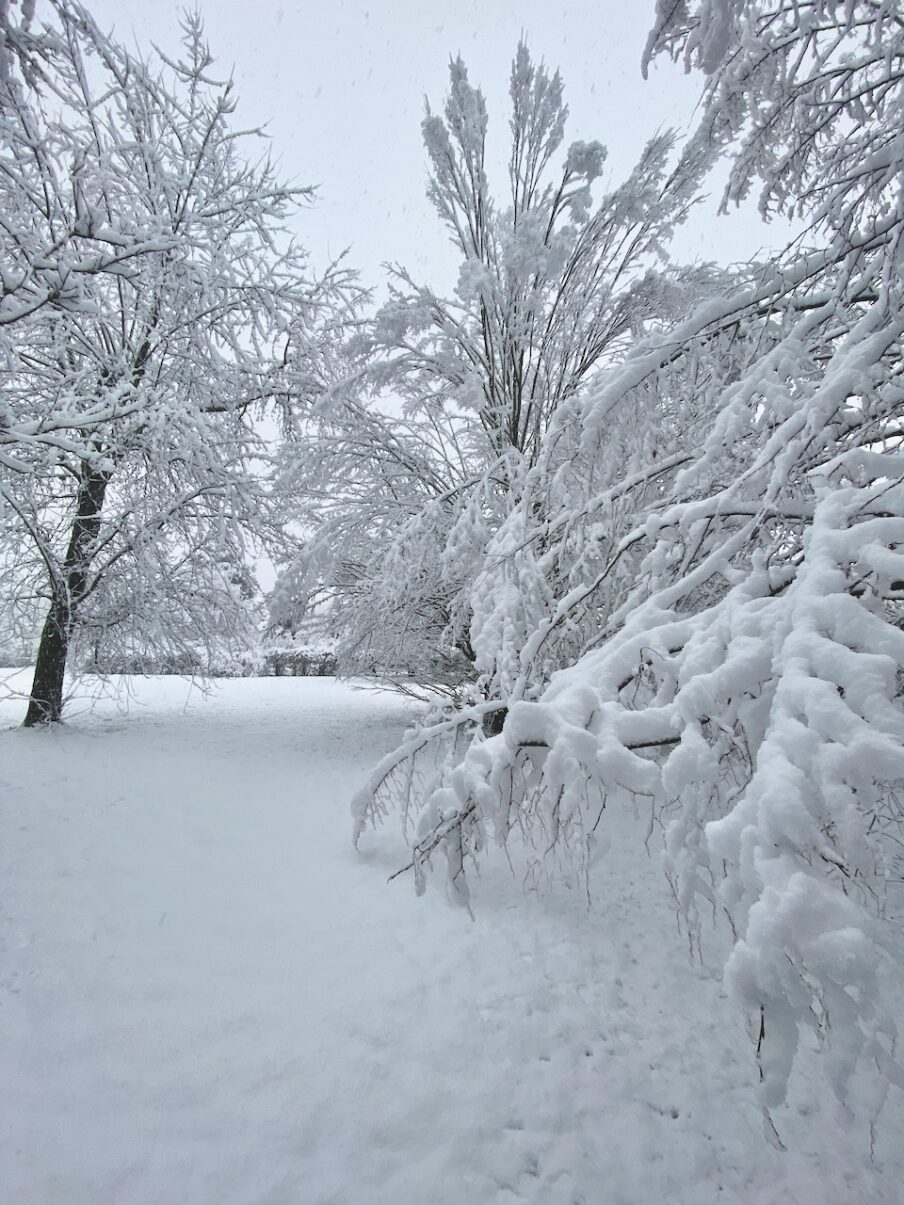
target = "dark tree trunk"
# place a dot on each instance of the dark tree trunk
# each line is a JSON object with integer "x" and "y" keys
{"x": 46, "y": 703}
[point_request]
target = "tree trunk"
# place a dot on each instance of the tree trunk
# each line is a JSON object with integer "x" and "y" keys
{"x": 46, "y": 703}
{"x": 68, "y": 590}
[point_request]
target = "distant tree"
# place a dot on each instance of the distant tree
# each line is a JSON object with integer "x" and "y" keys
{"x": 133, "y": 467}
{"x": 376, "y": 498}
{"x": 747, "y": 674}
{"x": 552, "y": 285}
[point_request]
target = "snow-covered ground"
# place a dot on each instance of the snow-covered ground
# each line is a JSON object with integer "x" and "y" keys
{"x": 208, "y": 998}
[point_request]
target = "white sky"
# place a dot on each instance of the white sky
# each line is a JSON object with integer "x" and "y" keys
{"x": 341, "y": 85}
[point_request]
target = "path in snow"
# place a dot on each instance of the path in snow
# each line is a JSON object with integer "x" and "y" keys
{"x": 208, "y": 998}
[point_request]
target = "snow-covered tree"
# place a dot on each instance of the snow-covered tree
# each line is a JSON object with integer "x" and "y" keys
{"x": 55, "y": 238}
{"x": 552, "y": 284}
{"x": 747, "y": 674}
{"x": 133, "y": 466}
{"x": 378, "y": 495}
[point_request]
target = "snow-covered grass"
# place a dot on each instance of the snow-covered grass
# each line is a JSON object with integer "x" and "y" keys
{"x": 208, "y": 998}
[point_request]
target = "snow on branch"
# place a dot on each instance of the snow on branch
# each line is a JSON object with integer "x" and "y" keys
{"x": 698, "y": 596}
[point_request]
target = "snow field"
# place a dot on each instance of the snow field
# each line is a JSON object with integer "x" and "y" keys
{"x": 208, "y": 998}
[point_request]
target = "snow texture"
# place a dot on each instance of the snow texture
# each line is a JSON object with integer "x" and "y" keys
{"x": 209, "y": 998}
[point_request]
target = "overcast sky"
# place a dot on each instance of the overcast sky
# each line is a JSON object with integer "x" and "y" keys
{"x": 341, "y": 87}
